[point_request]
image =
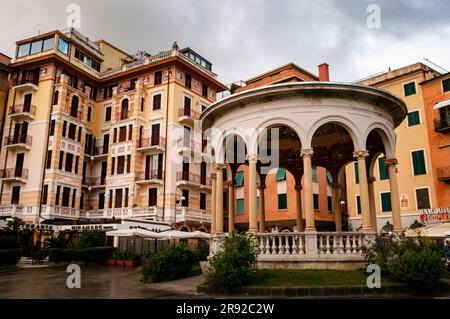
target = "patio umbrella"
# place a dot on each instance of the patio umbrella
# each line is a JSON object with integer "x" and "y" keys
{"x": 176, "y": 234}
{"x": 436, "y": 231}
{"x": 134, "y": 232}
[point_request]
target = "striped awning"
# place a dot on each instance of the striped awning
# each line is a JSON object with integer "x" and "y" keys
{"x": 441, "y": 104}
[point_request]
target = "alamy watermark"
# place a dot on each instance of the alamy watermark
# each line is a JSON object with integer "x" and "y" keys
{"x": 74, "y": 279}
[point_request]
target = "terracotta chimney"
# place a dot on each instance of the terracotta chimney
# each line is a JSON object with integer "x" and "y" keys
{"x": 324, "y": 74}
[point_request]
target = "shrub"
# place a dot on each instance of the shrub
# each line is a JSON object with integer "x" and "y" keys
{"x": 91, "y": 238}
{"x": 234, "y": 265}
{"x": 55, "y": 242}
{"x": 91, "y": 254}
{"x": 8, "y": 242}
{"x": 174, "y": 262}
{"x": 10, "y": 256}
{"x": 413, "y": 261}
{"x": 62, "y": 255}
{"x": 202, "y": 251}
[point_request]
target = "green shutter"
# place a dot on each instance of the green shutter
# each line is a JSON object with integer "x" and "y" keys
{"x": 282, "y": 201}
{"x": 240, "y": 206}
{"x": 446, "y": 85}
{"x": 409, "y": 88}
{"x": 329, "y": 177}
{"x": 281, "y": 174}
{"x": 382, "y": 169}
{"x": 316, "y": 201}
{"x": 355, "y": 164}
{"x": 413, "y": 118}
{"x": 358, "y": 204}
{"x": 314, "y": 174}
{"x": 239, "y": 179}
{"x": 419, "y": 163}
{"x": 386, "y": 202}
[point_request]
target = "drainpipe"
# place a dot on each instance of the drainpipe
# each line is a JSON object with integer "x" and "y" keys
{"x": 165, "y": 144}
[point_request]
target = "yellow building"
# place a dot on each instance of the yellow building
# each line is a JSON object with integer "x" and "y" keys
{"x": 415, "y": 174}
{"x": 94, "y": 133}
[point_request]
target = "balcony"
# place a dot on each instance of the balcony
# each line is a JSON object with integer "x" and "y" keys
{"x": 149, "y": 177}
{"x": 18, "y": 142}
{"x": 187, "y": 115}
{"x": 100, "y": 152}
{"x": 11, "y": 210}
{"x": 14, "y": 175}
{"x": 150, "y": 213}
{"x": 444, "y": 174}
{"x": 22, "y": 112}
{"x": 188, "y": 214}
{"x": 51, "y": 212}
{"x": 154, "y": 143}
{"x": 122, "y": 116}
{"x": 442, "y": 125}
{"x": 94, "y": 182}
{"x": 192, "y": 179}
{"x": 190, "y": 146}
{"x": 74, "y": 113}
{"x": 26, "y": 83}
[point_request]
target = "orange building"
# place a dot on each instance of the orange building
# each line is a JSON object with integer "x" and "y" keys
{"x": 436, "y": 95}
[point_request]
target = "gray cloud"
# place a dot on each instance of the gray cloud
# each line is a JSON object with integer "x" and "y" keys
{"x": 245, "y": 38}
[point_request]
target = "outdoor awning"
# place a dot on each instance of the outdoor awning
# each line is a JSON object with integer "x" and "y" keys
{"x": 435, "y": 231}
{"x": 441, "y": 104}
{"x": 176, "y": 234}
{"x": 134, "y": 232}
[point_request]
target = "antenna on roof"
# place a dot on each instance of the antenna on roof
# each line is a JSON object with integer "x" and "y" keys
{"x": 435, "y": 64}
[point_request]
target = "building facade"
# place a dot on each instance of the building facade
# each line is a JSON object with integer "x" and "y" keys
{"x": 416, "y": 173}
{"x": 94, "y": 133}
{"x": 4, "y": 87}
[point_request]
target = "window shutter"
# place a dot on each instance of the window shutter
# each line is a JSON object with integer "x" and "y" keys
{"x": 281, "y": 174}
{"x": 239, "y": 179}
{"x": 355, "y": 164}
{"x": 382, "y": 169}
{"x": 282, "y": 201}
{"x": 386, "y": 202}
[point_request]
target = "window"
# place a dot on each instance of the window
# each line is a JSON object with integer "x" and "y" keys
{"x": 89, "y": 113}
{"x": 202, "y": 201}
{"x": 49, "y": 159}
{"x": 142, "y": 104}
{"x": 316, "y": 201}
{"x": 74, "y": 106}
{"x": 382, "y": 169}
{"x": 409, "y": 88}
{"x": 118, "y": 201}
{"x": 61, "y": 160}
{"x": 188, "y": 81}
{"x": 446, "y": 85}
{"x": 58, "y": 191}
{"x": 124, "y": 110}
{"x": 64, "y": 128}
{"x": 281, "y": 174}
{"x": 204, "y": 90}
{"x": 44, "y": 195}
{"x": 69, "y": 161}
{"x": 63, "y": 46}
{"x": 108, "y": 114}
{"x": 35, "y": 47}
{"x": 330, "y": 203}
{"x": 77, "y": 160}
{"x": 74, "y": 194}
{"x": 128, "y": 164}
{"x": 314, "y": 174}
{"x": 152, "y": 196}
{"x": 120, "y": 164}
{"x": 65, "y": 197}
{"x": 110, "y": 202}
{"x": 48, "y": 44}
{"x": 329, "y": 177}
{"x": 282, "y": 201}
{"x": 127, "y": 193}
{"x": 423, "y": 198}
{"x": 130, "y": 132}
{"x": 386, "y": 202}
{"x": 52, "y": 127}
{"x": 80, "y": 129}
{"x": 115, "y": 135}
{"x": 240, "y": 206}
{"x": 185, "y": 201}
{"x": 55, "y": 97}
{"x": 87, "y": 60}
{"x": 72, "y": 131}
{"x": 122, "y": 134}
{"x": 81, "y": 200}
{"x": 15, "y": 196}
{"x": 239, "y": 179}
{"x": 113, "y": 164}
{"x": 158, "y": 77}
{"x": 101, "y": 200}
{"x": 23, "y": 50}
{"x": 413, "y": 118}
{"x": 418, "y": 159}
{"x": 355, "y": 166}
{"x": 156, "y": 102}
{"x": 358, "y": 204}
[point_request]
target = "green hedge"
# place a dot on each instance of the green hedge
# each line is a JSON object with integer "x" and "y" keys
{"x": 10, "y": 256}
{"x": 91, "y": 254}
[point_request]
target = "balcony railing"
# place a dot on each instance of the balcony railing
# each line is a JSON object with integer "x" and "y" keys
{"x": 74, "y": 113}
{"x": 120, "y": 116}
{"x": 95, "y": 181}
{"x": 22, "y": 109}
{"x": 193, "y": 178}
{"x": 99, "y": 151}
{"x": 189, "y": 214}
{"x": 190, "y": 144}
{"x": 187, "y": 112}
{"x": 442, "y": 125}
{"x": 28, "y": 79}
{"x": 152, "y": 141}
{"x": 149, "y": 175}
{"x": 14, "y": 173}
{"x": 18, "y": 139}
{"x": 444, "y": 173}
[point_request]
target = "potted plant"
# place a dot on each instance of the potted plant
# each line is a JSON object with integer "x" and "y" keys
{"x": 113, "y": 260}
{"x": 129, "y": 259}
{"x": 119, "y": 260}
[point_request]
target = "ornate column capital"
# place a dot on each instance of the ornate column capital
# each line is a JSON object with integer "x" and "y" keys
{"x": 307, "y": 152}
{"x": 391, "y": 161}
{"x": 360, "y": 154}
{"x": 219, "y": 166}
{"x": 213, "y": 175}
{"x": 252, "y": 157}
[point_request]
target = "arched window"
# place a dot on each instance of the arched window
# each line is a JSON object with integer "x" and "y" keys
{"x": 55, "y": 97}
{"x": 74, "y": 106}
{"x": 124, "y": 110}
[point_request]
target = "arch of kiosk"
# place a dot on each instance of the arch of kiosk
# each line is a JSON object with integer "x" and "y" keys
{"x": 298, "y": 126}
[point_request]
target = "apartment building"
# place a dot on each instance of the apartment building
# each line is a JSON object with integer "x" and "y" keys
{"x": 4, "y": 86}
{"x": 436, "y": 94}
{"x": 416, "y": 175}
{"x": 93, "y": 133}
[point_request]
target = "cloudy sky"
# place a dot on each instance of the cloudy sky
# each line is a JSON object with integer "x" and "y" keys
{"x": 243, "y": 38}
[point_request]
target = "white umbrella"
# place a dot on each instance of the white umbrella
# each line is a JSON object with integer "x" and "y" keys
{"x": 436, "y": 230}
{"x": 176, "y": 234}
{"x": 135, "y": 232}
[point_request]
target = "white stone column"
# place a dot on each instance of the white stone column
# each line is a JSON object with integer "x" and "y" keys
{"x": 230, "y": 207}
{"x": 373, "y": 211}
{"x": 213, "y": 202}
{"x": 219, "y": 199}
{"x": 252, "y": 194}
{"x": 262, "y": 209}
{"x": 298, "y": 194}
{"x": 364, "y": 190}
{"x": 395, "y": 198}
{"x": 308, "y": 184}
{"x": 337, "y": 207}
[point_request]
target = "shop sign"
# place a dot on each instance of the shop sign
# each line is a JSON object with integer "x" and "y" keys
{"x": 435, "y": 215}
{"x": 37, "y": 226}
